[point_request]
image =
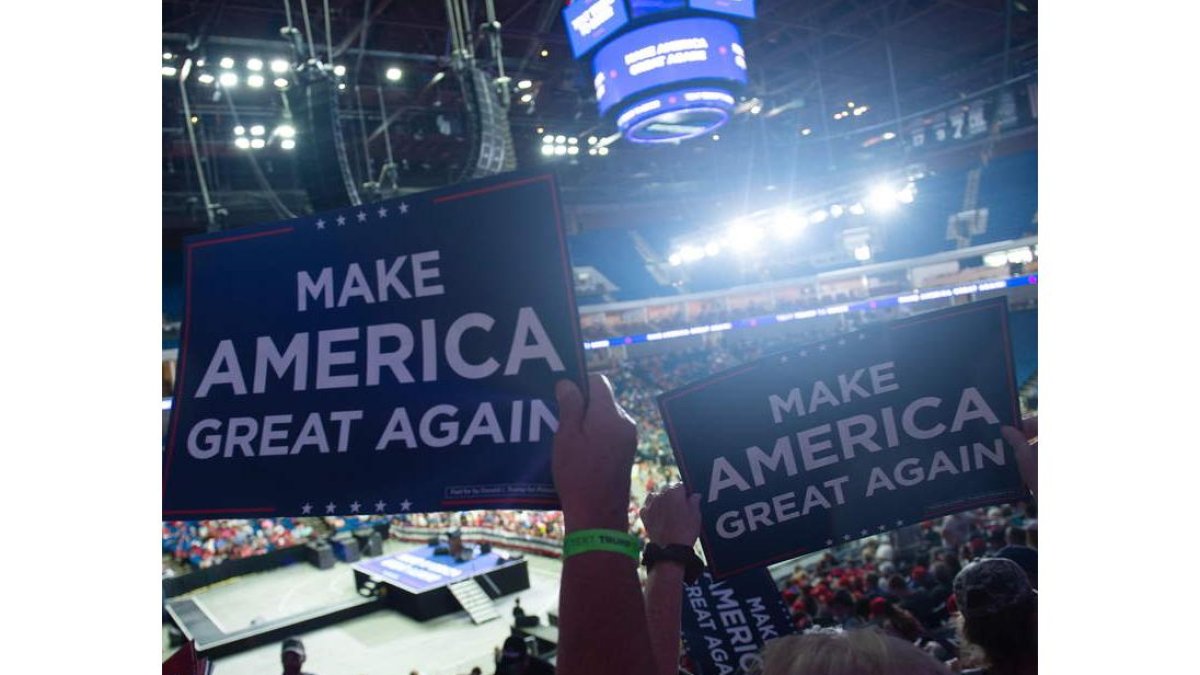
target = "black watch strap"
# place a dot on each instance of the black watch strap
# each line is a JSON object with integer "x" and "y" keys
{"x": 693, "y": 566}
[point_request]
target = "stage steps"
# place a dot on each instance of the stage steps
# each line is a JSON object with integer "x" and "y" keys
{"x": 473, "y": 599}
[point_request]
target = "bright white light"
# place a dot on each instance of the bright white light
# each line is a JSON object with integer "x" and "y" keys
{"x": 199, "y": 63}
{"x": 167, "y": 56}
{"x": 394, "y": 74}
{"x": 908, "y": 194}
{"x": 205, "y": 78}
{"x": 242, "y": 142}
{"x": 560, "y": 150}
{"x": 526, "y": 98}
{"x": 591, "y": 151}
{"x": 229, "y": 79}
{"x": 602, "y": 151}
{"x": 257, "y": 143}
{"x": 857, "y": 209}
{"x": 254, "y": 64}
{"x": 862, "y": 253}
{"x": 227, "y": 62}
{"x": 560, "y": 139}
{"x": 712, "y": 248}
{"x": 239, "y": 130}
{"x": 691, "y": 253}
{"x": 281, "y": 82}
{"x": 258, "y": 130}
{"x": 716, "y": 137}
{"x": 169, "y": 71}
{"x": 787, "y": 224}
{"x": 755, "y": 109}
{"x": 805, "y": 131}
{"x": 675, "y": 259}
{"x": 524, "y": 84}
{"x": 279, "y": 66}
{"x": 255, "y": 80}
{"x": 341, "y": 86}
{"x": 860, "y": 110}
{"x": 818, "y": 216}
{"x": 836, "y": 210}
{"x": 287, "y": 144}
{"x": 339, "y": 70}
{"x": 743, "y": 236}
{"x": 996, "y": 259}
{"x": 573, "y": 141}
{"x": 1020, "y": 255}
{"x": 547, "y": 149}
{"x": 573, "y": 150}
{"x": 548, "y": 138}
{"x": 889, "y": 135}
{"x": 882, "y": 199}
{"x": 592, "y": 140}
{"x": 285, "y": 131}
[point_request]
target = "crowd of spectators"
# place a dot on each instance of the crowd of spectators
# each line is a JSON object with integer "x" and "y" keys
{"x": 193, "y": 545}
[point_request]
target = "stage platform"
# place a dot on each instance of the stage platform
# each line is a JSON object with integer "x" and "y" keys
{"x": 417, "y": 582}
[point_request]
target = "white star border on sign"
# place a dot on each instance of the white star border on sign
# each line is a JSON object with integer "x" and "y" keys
{"x": 382, "y": 212}
{"x": 403, "y": 208}
{"x": 380, "y": 506}
{"x": 405, "y": 505}
{"x": 306, "y": 509}
{"x": 321, "y": 224}
{"x": 330, "y": 507}
{"x": 354, "y": 506}
{"x": 341, "y": 220}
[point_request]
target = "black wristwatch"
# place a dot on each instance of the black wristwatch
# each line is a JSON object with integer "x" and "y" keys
{"x": 693, "y": 566}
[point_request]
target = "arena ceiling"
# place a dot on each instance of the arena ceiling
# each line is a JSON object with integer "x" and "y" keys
{"x": 806, "y": 60}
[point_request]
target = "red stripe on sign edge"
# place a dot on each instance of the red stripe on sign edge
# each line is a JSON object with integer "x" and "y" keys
{"x": 491, "y": 188}
{"x": 187, "y": 331}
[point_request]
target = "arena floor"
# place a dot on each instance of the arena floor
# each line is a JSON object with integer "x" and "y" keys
{"x": 382, "y": 642}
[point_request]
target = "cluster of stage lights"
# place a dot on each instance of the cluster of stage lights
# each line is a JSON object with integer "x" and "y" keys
{"x": 255, "y": 72}
{"x": 851, "y": 109}
{"x": 747, "y": 235}
{"x": 560, "y": 145}
{"x": 257, "y": 138}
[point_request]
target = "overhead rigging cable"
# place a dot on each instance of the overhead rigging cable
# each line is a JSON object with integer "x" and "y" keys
{"x": 287, "y": 8}
{"x": 209, "y": 207}
{"x": 312, "y": 49}
{"x": 328, "y": 35}
{"x": 387, "y": 137}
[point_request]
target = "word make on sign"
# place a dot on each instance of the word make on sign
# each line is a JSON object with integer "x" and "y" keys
{"x": 849, "y": 437}
{"x": 725, "y": 623}
{"x": 397, "y": 357}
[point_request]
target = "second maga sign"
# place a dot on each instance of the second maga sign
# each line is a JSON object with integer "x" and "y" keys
{"x": 381, "y": 359}
{"x": 849, "y": 437}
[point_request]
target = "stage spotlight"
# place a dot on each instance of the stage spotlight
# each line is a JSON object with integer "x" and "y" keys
{"x": 573, "y": 150}
{"x": 592, "y": 140}
{"x": 592, "y": 151}
{"x": 281, "y": 82}
{"x": 860, "y": 110}
{"x": 526, "y": 98}
{"x": 787, "y": 224}
{"x": 691, "y": 253}
{"x": 167, "y": 56}
{"x": 573, "y": 140}
{"x": 287, "y": 144}
{"x": 560, "y": 139}
{"x": 227, "y": 62}
{"x": 545, "y": 53}
{"x": 254, "y": 64}
{"x": 716, "y": 137}
{"x": 279, "y": 66}
{"x": 805, "y": 131}
{"x": 675, "y": 259}
{"x": 889, "y": 135}
{"x": 242, "y": 142}
{"x": 341, "y": 86}
{"x": 339, "y": 70}
{"x": 857, "y": 209}
{"x": 602, "y": 151}
{"x": 229, "y": 79}
{"x": 394, "y": 74}
{"x": 743, "y": 236}
{"x": 206, "y": 78}
{"x": 548, "y": 138}
{"x": 560, "y": 150}
{"x": 836, "y": 210}
{"x": 285, "y": 131}
{"x": 818, "y": 216}
{"x": 258, "y": 130}
{"x": 907, "y": 194}
{"x": 169, "y": 71}
{"x": 524, "y": 84}
{"x": 255, "y": 80}
{"x": 712, "y": 249}
{"x": 258, "y": 143}
{"x": 755, "y": 109}
{"x": 882, "y": 199}
{"x": 547, "y": 149}
{"x": 862, "y": 253}
{"x": 239, "y": 130}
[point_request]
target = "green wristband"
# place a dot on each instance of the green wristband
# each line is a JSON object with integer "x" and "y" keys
{"x": 612, "y": 541}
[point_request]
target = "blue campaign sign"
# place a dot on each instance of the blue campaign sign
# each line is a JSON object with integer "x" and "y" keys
{"x": 666, "y": 53}
{"x": 849, "y": 437}
{"x": 590, "y": 22}
{"x": 387, "y": 358}
{"x": 725, "y": 623}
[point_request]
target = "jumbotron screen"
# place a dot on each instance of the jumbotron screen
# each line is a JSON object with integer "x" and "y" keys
{"x": 590, "y": 22}
{"x": 666, "y": 53}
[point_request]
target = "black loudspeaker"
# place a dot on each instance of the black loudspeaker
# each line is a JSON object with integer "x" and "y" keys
{"x": 320, "y": 555}
{"x": 320, "y": 149}
{"x": 488, "y": 131}
{"x": 485, "y": 548}
{"x": 527, "y": 621}
{"x": 345, "y": 547}
{"x": 369, "y": 542}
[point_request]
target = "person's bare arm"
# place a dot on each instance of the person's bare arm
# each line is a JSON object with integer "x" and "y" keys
{"x": 1024, "y": 445}
{"x": 602, "y": 621}
{"x": 670, "y": 518}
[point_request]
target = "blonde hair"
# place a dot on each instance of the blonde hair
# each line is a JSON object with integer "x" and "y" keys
{"x": 864, "y": 651}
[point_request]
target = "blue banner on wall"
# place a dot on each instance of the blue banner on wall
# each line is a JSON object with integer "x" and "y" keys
{"x": 396, "y": 357}
{"x": 849, "y": 437}
{"x": 725, "y": 623}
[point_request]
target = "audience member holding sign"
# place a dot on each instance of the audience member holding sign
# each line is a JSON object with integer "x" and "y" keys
{"x": 607, "y": 626}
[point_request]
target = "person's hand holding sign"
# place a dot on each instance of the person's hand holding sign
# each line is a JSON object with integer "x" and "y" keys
{"x": 672, "y": 517}
{"x": 1024, "y": 444}
{"x": 672, "y": 520}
